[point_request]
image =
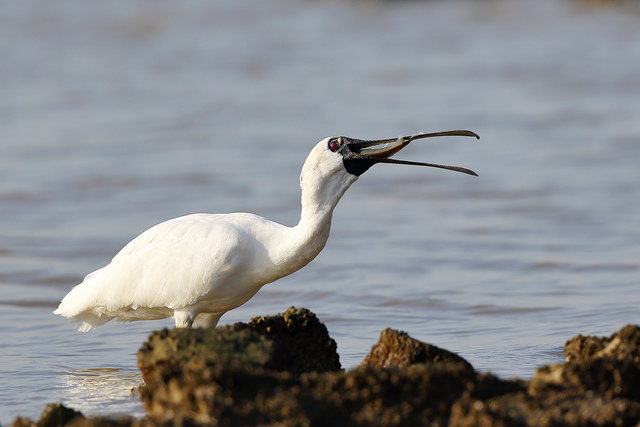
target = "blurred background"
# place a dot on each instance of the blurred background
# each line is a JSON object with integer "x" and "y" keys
{"x": 117, "y": 115}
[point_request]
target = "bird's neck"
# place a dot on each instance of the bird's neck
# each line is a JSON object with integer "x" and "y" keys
{"x": 315, "y": 223}
{"x": 321, "y": 192}
{"x": 318, "y": 203}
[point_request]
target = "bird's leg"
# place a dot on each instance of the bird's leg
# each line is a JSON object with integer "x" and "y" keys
{"x": 184, "y": 319}
{"x": 207, "y": 320}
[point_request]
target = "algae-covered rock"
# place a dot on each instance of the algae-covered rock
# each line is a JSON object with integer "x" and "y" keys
{"x": 241, "y": 373}
{"x": 550, "y": 409}
{"x": 416, "y": 395}
{"x": 301, "y": 342}
{"x": 583, "y": 348}
{"x": 397, "y": 348}
{"x": 284, "y": 369}
{"x": 622, "y": 345}
{"x": 607, "y": 366}
{"x": 294, "y": 341}
{"x": 53, "y": 415}
{"x": 57, "y": 415}
{"x": 598, "y": 386}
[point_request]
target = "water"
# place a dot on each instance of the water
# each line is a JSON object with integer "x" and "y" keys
{"x": 117, "y": 116}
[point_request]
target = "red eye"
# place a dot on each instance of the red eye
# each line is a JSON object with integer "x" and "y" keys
{"x": 333, "y": 145}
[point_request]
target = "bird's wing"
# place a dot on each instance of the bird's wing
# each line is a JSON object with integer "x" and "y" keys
{"x": 173, "y": 264}
{"x": 179, "y": 261}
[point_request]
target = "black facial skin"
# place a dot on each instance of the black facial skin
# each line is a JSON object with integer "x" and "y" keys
{"x": 352, "y": 162}
{"x": 356, "y": 166}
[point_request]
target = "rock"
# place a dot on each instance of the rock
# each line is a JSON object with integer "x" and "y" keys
{"x": 56, "y": 415}
{"x": 284, "y": 370}
{"x": 243, "y": 372}
{"x": 487, "y": 386}
{"x": 604, "y": 376}
{"x": 583, "y": 348}
{"x": 623, "y": 345}
{"x": 599, "y": 385}
{"x": 551, "y": 409}
{"x": 294, "y": 341}
{"x": 397, "y": 348}
{"x": 22, "y": 422}
{"x": 420, "y": 394}
{"x": 607, "y": 366}
{"x": 302, "y": 342}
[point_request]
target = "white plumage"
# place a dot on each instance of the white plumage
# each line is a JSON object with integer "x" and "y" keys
{"x": 197, "y": 267}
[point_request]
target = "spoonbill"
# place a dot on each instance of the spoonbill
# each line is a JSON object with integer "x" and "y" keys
{"x": 197, "y": 267}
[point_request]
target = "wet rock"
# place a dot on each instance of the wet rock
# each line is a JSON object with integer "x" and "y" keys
{"x": 551, "y": 409}
{"x": 56, "y": 415}
{"x": 623, "y": 345}
{"x": 284, "y": 370}
{"x": 301, "y": 342}
{"x": 397, "y": 348}
{"x": 604, "y": 376}
{"x": 583, "y": 348}
{"x": 243, "y": 372}
{"x": 420, "y": 394}
{"x": 487, "y": 386}
{"x": 294, "y": 341}
{"x": 608, "y": 366}
{"x": 416, "y": 395}
{"x": 599, "y": 385}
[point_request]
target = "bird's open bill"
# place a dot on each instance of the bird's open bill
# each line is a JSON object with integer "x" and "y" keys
{"x": 364, "y": 154}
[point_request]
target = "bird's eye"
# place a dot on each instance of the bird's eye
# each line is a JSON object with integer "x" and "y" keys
{"x": 334, "y": 145}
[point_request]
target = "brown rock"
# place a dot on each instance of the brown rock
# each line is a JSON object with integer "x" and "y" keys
{"x": 274, "y": 371}
{"x": 608, "y": 366}
{"x": 551, "y": 409}
{"x": 242, "y": 374}
{"x": 624, "y": 344}
{"x": 283, "y": 370}
{"x": 599, "y": 385}
{"x": 302, "y": 342}
{"x": 416, "y": 395}
{"x": 397, "y": 348}
{"x": 583, "y": 348}
{"x": 56, "y": 415}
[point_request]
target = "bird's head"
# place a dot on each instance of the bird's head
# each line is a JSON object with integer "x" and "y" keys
{"x": 335, "y": 163}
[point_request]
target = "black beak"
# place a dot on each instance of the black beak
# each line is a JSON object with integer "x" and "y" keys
{"x": 358, "y": 155}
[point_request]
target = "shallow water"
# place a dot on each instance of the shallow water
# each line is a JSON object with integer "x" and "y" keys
{"x": 114, "y": 118}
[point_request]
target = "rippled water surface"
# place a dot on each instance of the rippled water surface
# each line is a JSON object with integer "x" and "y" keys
{"x": 116, "y": 116}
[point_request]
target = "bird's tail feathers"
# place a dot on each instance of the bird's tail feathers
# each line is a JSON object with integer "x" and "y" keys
{"x": 79, "y": 305}
{"x": 91, "y": 321}
{"x": 85, "y": 327}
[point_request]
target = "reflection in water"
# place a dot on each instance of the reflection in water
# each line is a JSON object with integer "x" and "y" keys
{"x": 99, "y": 391}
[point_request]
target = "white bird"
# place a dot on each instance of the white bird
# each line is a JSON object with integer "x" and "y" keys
{"x": 197, "y": 267}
